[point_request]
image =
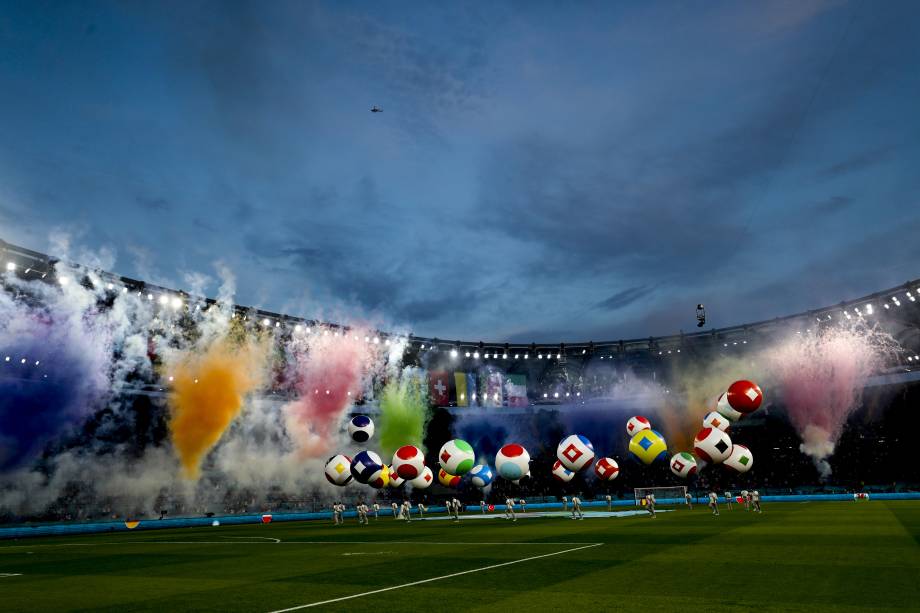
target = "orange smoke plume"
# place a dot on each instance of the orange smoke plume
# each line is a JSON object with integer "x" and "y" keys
{"x": 207, "y": 395}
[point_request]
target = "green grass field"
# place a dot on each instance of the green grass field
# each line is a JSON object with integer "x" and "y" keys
{"x": 793, "y": 557}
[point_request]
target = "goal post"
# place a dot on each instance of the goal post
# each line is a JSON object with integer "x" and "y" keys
{"x": 663, "y": 495}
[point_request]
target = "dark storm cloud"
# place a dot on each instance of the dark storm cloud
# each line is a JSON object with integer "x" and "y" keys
{"x": 537, "y": 174}
{"x": 624, "y": 298}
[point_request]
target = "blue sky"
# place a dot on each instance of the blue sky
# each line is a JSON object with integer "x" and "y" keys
{"x": 541, "y": 171}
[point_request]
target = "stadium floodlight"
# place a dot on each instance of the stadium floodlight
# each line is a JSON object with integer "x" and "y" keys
{"x": 886, "y": 305}
{"x": 566, "y": 394}
{"x": 37, "y": 362}
{"x": 545, "y": 395}
{"x": 558, "y": 356}
{"x": 7, "y": 359}
{"x": 476, "y": 354}
{"x": 150, "y": 297}
{"x": 64, "y": 280}
{"x": 422, "y": 346}
{"x": 387, "y": 342}
{"x": 869, "y": 309}
{"x": 22, "y": 361}
{"x": 453, "y": 353}
{"x": 555, "y": 394}
{"x": 376, "y": 340}
{"x": 124, "y": 290}
{"x": 163, "y": 299}
{"x": 11, "y": 266}
{"x": 578, "y": 394}
{"x": 176, "y": 303}
{"x": 517, "y": 355}
{"x": 486, "y": 356}
{"x": 265, "y": 322}
{"x": 298, "y": 328}
{"x": 110, "y": 286}
{"x": 540, "y": 356}
{"x": 526, "y": 356}
{"x": 911, "y": 296}
{"x": 467, "y": 354}
{"x": 504, "y": 356}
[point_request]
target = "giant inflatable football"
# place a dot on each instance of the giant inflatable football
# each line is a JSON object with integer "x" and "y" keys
{"x": 740, "y": 459}
{"x": 456, "y": 457}
{"x": 512, "y": 462}
{"x": 408, "y": 462}
{"x": 365, "y": 465}
{"x": 648, "y": 446}
{"x": 561, "y": 473}
{"x": 606, "y": 469}
{"x": 338, "y": 470}
{"x": 712, "y": 445}
{"x": 575, "y": 452}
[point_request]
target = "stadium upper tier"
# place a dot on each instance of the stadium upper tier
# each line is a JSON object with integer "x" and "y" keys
{"x": 896, "y": 308}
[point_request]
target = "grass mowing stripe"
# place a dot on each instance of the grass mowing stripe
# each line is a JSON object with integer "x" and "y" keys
{"x": 450, "y": 576}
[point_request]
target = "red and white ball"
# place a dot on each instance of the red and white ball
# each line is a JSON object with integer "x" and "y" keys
{"x": 423, "y": 480}
{"x": 396, "y": 480}
{"x": 744, "y": 396}
{"x": 575, "y": 452}
{"x": 512, "y": 462}
{"x": 712, "y": 445}
{"x": 561, "y": 473}
{"x": 606, "y": 469}
{"x": 740, "y": 459}
{"x": 637, "y": 424}
{"x": 408, "y": 462}
{"x": 715, "y": 420}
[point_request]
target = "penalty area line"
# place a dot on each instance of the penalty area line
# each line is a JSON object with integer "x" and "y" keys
{"x": 450, "y": 576}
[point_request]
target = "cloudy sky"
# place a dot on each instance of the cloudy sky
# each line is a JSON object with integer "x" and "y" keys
{"x": 541, "y": 171}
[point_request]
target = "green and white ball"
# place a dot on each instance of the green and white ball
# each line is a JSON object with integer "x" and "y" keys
{"x": 683, "y": 464}
{"x": 457, "y": 457}
{"x": 740, "y": 460}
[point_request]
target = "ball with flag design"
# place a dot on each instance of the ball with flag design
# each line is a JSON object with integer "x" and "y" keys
{"x": 380, "y": 478}
{"x": 481, "y": 475}
{"x": 725, "y": 409}
{"x": 636, "y": 424}
{"x": 408, "y": 462}
{"x": 423, "y": 480}
{"x": 338, "y": 470}
{"x": 396, "y": 480}
{"x": 365, "y": 465}
{"x": 575, "y": 452}
{"x": 512, "y": 462}
{"x": 561, "y": 473}
{"x": 456, "y": 457}
{"x": 714, "y": 419}
{"x": 683, "y": 464}
{"x": 744, "y": 396}
{"x": 648, "y": 446}
{"x": 448, "y": 480}
{"x": 606, "y": 469}
{"x": 712, "y": 445}
{"x": 360, "y": 428}
{"x": 740, "y": 459}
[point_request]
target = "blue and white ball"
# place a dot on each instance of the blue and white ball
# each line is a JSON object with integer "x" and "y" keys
{"x": 361, "y": 428}
{"x": 481, "y": 475}
{"x": 575, "y": 452}
{"x": 365, "y": 466}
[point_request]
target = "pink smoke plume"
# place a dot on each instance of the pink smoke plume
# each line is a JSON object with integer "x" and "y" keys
{"x": 822, "y": 375}
{"x": 329, "y": 374}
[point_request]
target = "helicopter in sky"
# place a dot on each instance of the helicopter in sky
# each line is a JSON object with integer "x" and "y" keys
{"x": 376, "y": 109}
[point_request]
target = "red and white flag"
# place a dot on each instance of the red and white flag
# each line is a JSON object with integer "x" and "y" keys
{"x": 439, "y": 389}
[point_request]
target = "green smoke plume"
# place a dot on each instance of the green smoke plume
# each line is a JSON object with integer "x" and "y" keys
{"x": 403, "y": 412}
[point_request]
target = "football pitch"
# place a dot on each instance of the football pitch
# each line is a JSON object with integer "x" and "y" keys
{"x": 795, "y": 556}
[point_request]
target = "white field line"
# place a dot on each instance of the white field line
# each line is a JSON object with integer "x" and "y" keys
{"x": 5, "y": 575}
{"x": 450, "y": 576}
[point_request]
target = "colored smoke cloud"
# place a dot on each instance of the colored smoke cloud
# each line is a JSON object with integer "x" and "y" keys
{"x": 329, "y": 373}
{"x": 821, "y": 376}
{"x": 404, "y": 412}
{"x": 207, "y": 395}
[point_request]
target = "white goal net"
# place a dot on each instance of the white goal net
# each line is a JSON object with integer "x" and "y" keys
{"x": 663, "y": 495}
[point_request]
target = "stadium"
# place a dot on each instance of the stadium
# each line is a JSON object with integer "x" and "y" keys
{"x": 307, "y": 397}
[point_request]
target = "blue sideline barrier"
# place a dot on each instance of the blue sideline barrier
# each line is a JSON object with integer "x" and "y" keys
{"x": 25, "y": 530}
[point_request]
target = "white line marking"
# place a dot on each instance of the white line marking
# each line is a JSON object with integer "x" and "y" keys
{"x": 261, "y": 538}
{"x": 4, "y": 575}
{"x": 450, "y": 576}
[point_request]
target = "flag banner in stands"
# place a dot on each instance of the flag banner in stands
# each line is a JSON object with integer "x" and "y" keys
{"x": 516, "y": 390}
{"x": 465, "y": 384}
{"x": 491, "y": 388}
{"x": 439, "y": 388}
